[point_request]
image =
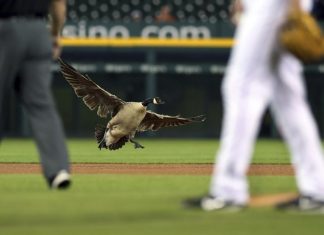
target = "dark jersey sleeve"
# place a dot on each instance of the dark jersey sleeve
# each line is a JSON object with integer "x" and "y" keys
{"x": 318, "y": 9}
{"x": 10, "y": 8}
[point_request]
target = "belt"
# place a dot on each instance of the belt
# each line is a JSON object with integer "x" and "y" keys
{"x": 33, "y": 16}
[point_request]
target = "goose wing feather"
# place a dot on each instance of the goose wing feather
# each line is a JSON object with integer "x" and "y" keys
{"x": 93, "y": 95}
{"x": 153, "y": 121}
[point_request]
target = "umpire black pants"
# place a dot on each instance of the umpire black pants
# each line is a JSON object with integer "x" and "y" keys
{"x": 25, "y": 59}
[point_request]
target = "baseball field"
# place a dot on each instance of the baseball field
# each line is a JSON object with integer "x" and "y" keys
{"x": 140, "y": 191}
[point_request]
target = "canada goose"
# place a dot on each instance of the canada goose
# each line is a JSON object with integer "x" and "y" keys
{"x": 126, "y": 117}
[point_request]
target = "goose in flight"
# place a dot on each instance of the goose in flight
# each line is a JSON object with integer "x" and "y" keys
{"x": 127, "y": 118}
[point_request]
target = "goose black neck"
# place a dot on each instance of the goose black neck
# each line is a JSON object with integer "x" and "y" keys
{"x": 147, "y": 102}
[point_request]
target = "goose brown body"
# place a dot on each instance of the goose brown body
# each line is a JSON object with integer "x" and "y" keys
{"x": 127, "y": 117}
{"x": 125, "y": 122}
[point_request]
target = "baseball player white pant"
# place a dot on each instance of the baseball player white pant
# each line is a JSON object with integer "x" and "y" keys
{"x": 261, "y": 74}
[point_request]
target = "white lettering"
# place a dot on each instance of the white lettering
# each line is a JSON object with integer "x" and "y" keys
{"x": 70, "y": 31}
{"x": 321, "y": 68}
{"x": 194, "y": 32}
{"x": 217, "y": 69}
{"x": 188, "y": 69}
{"x": 85, "y": 67}
{"x": 149, "y": 68}
{"x": 82, "y": 29}
{"x": 98, "y": 31}
{"x": 118, "y": 68}
{"x": 169, "y": 32}
{"x": 150, "y": 31}
{"x": 119, "y": 30}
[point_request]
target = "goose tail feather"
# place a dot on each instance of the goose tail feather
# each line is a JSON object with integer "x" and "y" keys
{"x": 100, "y": 132}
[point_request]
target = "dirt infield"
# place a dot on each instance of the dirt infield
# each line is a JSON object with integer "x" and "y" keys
{"x": 144, "y": 169}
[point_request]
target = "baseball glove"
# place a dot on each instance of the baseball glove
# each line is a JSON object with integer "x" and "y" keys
{"x": 302, "y": 36}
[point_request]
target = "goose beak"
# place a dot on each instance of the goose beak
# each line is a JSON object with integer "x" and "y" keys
{"x": 157, "y": 100}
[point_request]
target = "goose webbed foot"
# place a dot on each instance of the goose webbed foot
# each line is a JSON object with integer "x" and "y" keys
{"x": 102, "y": 144}
{"x": 136, "y": 144}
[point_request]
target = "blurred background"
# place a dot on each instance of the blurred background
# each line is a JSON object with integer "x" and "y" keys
{"x": 123, "y": 45}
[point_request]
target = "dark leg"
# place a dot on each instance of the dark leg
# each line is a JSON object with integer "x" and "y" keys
{"x": 34, "y": 89}
{"x": 10, "y": 57}
{"x": 136, "y": 144}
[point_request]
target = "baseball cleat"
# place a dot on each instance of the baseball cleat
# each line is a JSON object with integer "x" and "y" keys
{"x": 210, "y": 203}
{"x": 62, "y": 180}
{"x": 302, "y": 203}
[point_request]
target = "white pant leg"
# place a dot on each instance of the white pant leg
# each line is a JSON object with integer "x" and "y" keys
{"x": 306, "y": 5}
{"x": 247, "y": 88}
{"x": 240, "y": 127}
{"x": 298, "y": 127}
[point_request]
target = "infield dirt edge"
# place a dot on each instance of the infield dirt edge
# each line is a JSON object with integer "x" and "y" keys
{"x": 144, "y": 169}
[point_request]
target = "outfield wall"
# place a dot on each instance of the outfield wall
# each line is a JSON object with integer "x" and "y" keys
{"x": 187, "y": 73}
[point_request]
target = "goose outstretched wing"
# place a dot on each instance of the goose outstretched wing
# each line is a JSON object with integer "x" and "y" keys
{"x": 92, "y": 94}
{"x": 153, "y": 121}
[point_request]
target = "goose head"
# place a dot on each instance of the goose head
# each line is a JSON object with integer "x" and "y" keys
{"x": 155, "y": 100}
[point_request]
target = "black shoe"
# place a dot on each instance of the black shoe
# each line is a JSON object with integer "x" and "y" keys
{"x": 62, "y": 180}
{"x": 302, "y": 204}
{"x": 210, "y": 203}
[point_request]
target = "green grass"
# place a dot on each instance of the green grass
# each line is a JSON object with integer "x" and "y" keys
{"x": 155, "y": 151}
{"x": 140, "y": 204}
{"x": 126, "y": 204}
